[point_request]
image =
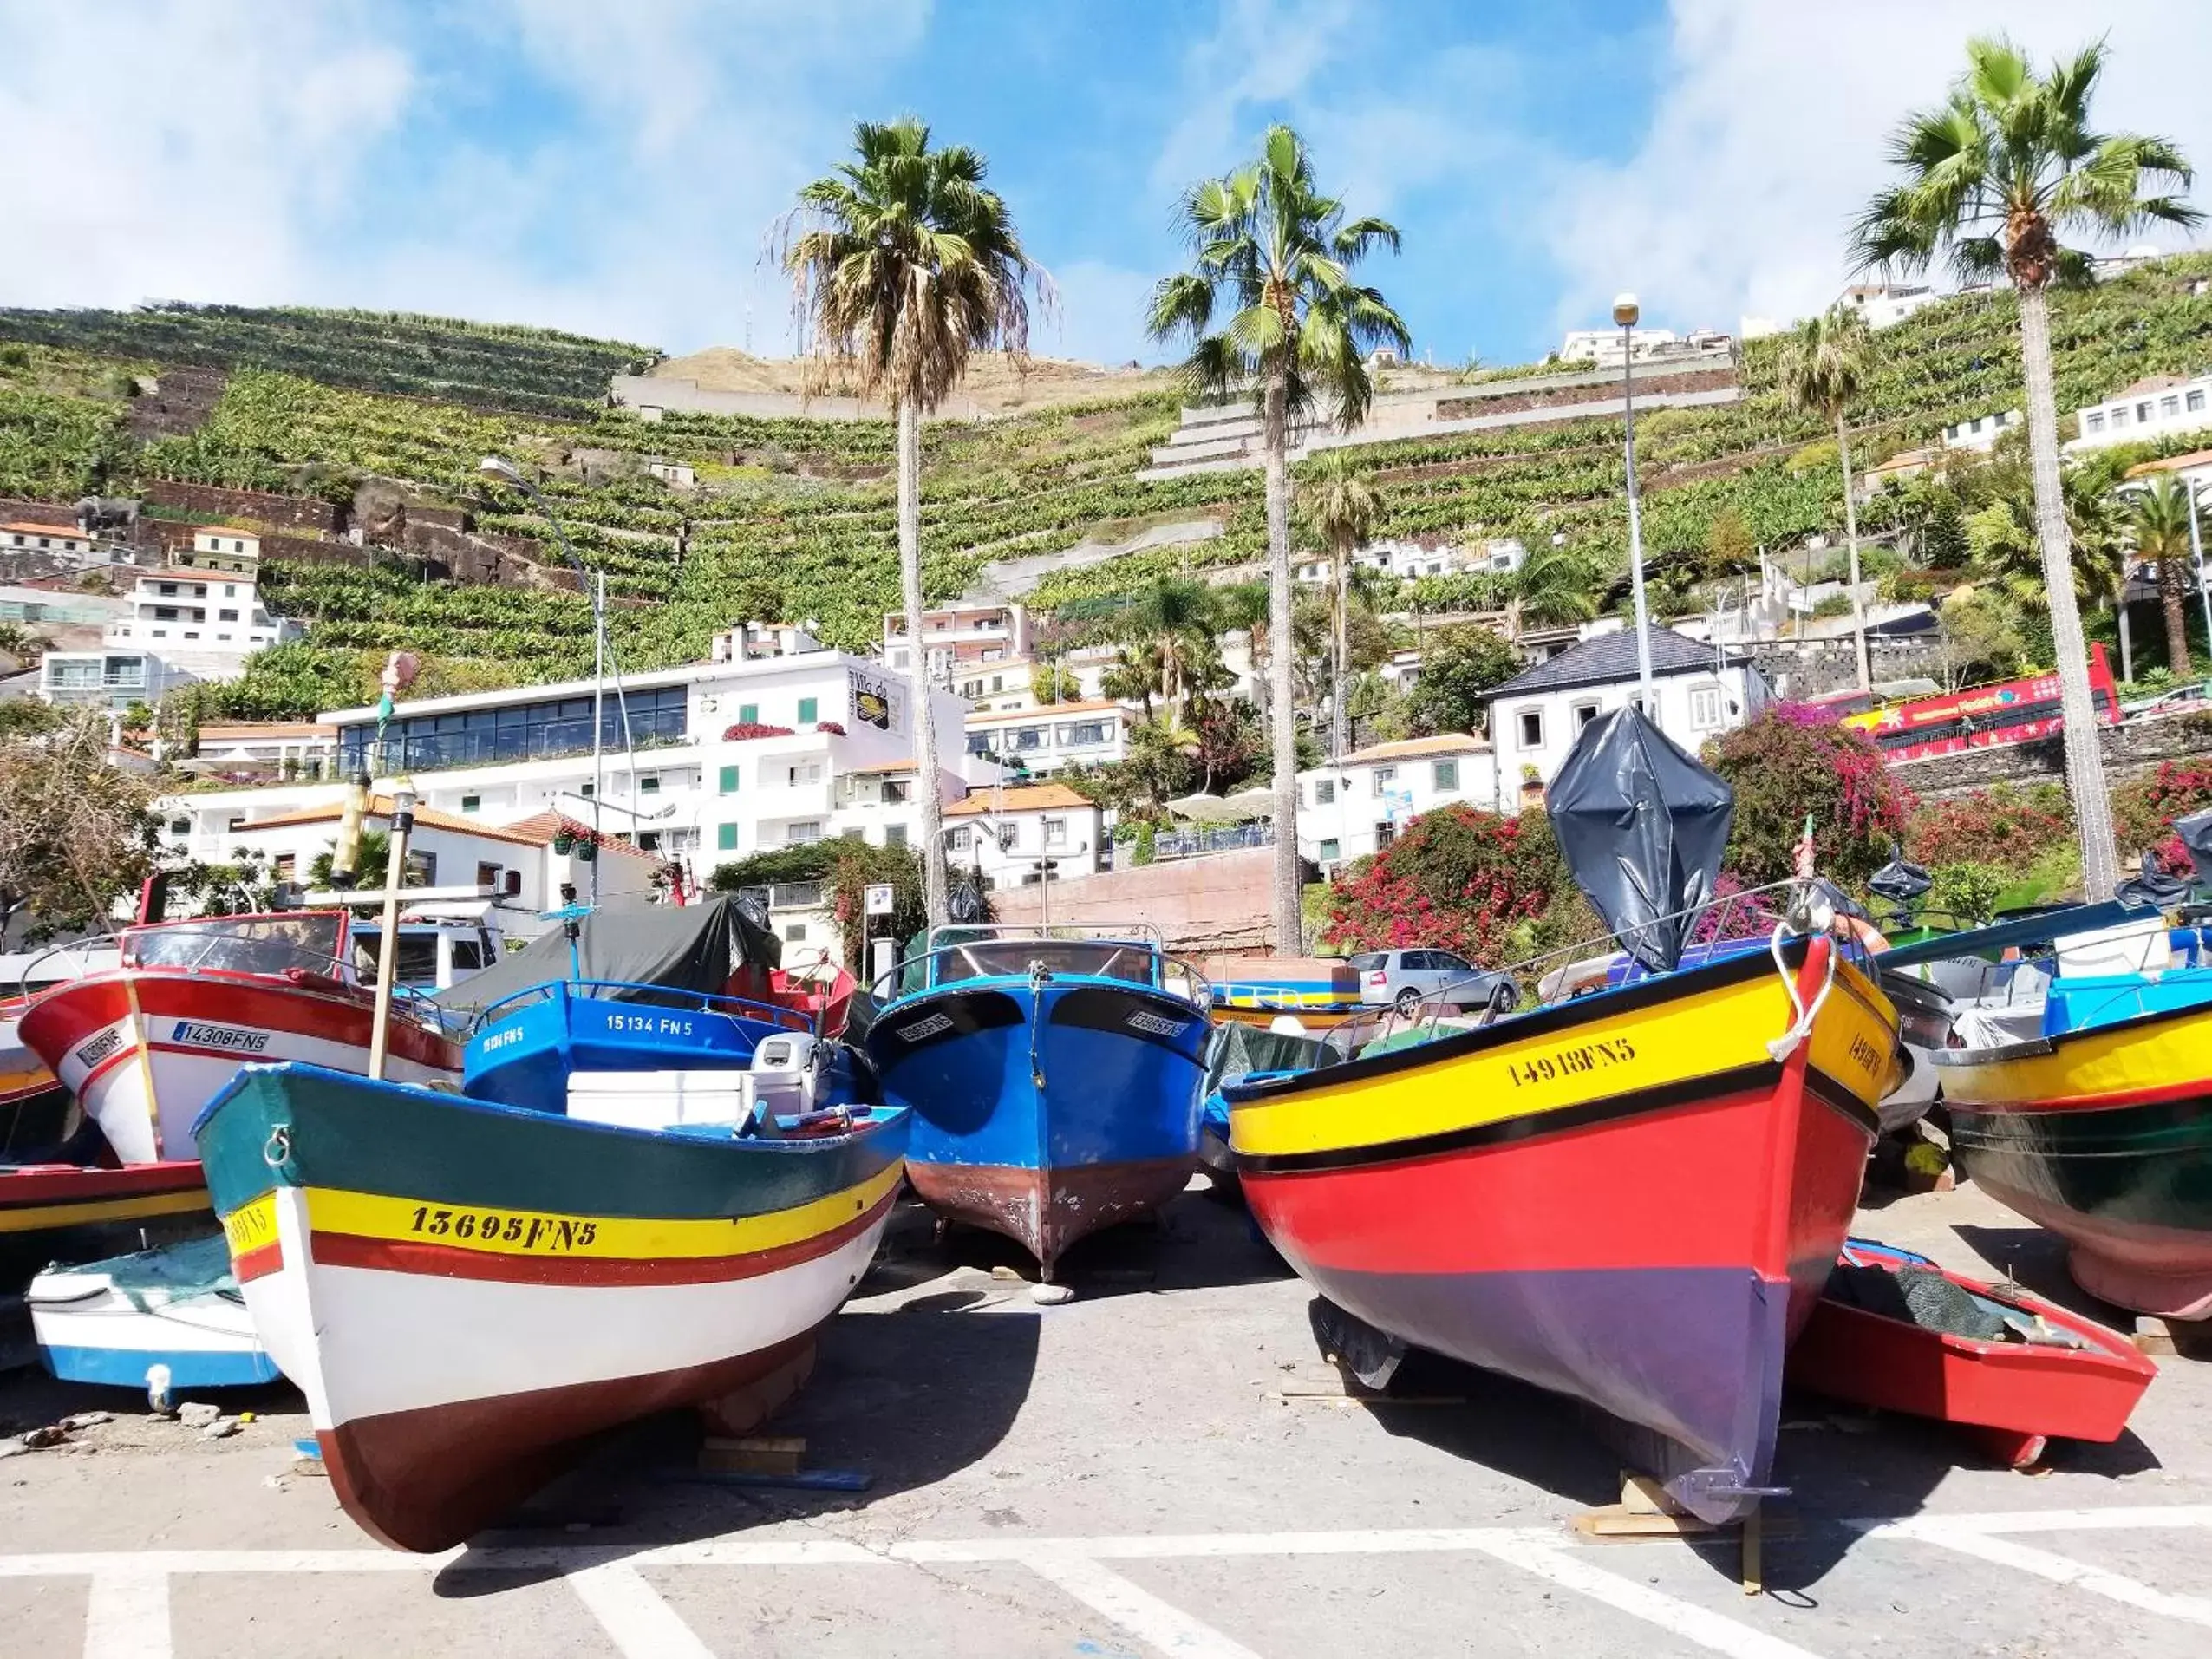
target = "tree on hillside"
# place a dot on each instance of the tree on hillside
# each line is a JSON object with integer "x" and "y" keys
{"x": 1271, "y": 312}
{"x": 1994, "y": 177}
{"x": 77, "y": 834}
{"x": 1460, "y": 668}
{"x": 1174, "y": 619}
{"x": 1822, "y": 367}
{"x": 2158, "y": 528}
{"x": 903, "y": 263}
{"x": 1343, "y": 507}
{"x": 1557, "y": 583}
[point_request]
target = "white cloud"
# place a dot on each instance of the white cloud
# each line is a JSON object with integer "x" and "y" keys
{"x": 1260, "y": 52}
{"x": 1768, "y": 136}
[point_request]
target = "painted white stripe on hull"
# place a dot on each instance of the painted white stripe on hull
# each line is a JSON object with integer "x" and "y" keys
{"x": 362, "y": 1342}
{"x": 223, "y": 1327}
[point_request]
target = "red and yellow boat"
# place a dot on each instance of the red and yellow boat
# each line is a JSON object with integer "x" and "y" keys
{"x": 1632, "y": 1199}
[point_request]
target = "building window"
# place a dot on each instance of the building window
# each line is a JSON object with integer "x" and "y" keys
{"x": 794, "y": 933}
{"x": 2195, "y": 402}
{"x": 726, "y": 838}
{"x": 1329, "y": 851}
{"x": 1532, "y": 728}
{"x": 226, "y": 616}
{"x": 181, "y": 826}
{"x": 1088, "y": 732}
{"x": 806, "y": 772}
{"x": 1448, "y": 774}
{"x": 897, "y": 792}
{"x": 1385, "y": 776}
{"x": 894, "y": 835}
{"x": 2170, "y": 406}
{"x": 470, "y": 803}
{"x": 808, "y": 710}
{"x": 2143, "y": 413}
{"x": 1055, "y": 833}
{"x": 804, "y": 832}
{"x": 1705, "y": 708}
{"x": 1008, "y": 835}
{"x": 1324, "y": 791}
{"x": 487, "y": 875}
{"x": 955, "y": 841}
{"x": 649, "y": 786}
{"x": 1584, "y": 713}
{"x": 729, "y": 780}
{"x": 2096, "y": 422}
{"x": 748, "y": 713}
{"x": 1386, "y": 833}
{"x": 2119, "y": 418}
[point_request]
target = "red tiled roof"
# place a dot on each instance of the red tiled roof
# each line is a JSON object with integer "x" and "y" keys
{"x": 1021, "y": 798}
{"x": 68, "y": 530}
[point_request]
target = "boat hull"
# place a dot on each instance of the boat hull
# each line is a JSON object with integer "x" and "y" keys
{"x": 2105, "y": 1137}
{"x": 111, "y": 1322}
{"x": 1624, "y": 1199}
{"x": 143, "y": 1049}
{"x": 50, "y": 1211}
{"x": 1045, "y": 1113}
{"x": 2016, "y": 1395}
{"x": 466, "y": 1292}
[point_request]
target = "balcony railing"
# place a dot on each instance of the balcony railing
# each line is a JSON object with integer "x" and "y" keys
{"x": 786, "y": 895}
{"x": 558, "y": 740}
{"x": 1190, "y": 843}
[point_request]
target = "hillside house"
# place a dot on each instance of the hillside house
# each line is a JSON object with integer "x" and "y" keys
{"x": 1006, "y": 834}
{"x": 1359, "y": 804}
{"x": 2158, "y": 406}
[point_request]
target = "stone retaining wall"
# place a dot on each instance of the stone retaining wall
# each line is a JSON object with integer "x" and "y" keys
{"x": 2131, "y": 750}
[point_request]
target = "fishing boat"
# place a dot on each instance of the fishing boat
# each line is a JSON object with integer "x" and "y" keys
{"x": 1319, "y": 992}
{"x": 1054, "y": 1081}
{"x": 57, "y": 1208}
{"x": 466, "y": 1291}
{"x": 36, "y": 1114}
{"x": 164, "y": 1320}
{"x": 145, "y": 1045}
{"x": 1631, "y": 1197}
{"x": 1895, "y": 1330}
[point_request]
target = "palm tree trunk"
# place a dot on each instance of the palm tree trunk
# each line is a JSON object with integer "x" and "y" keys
{"x": 1290, "y": 933}
{"x": 2100, "y": 863}
{"x": 1851, "y": 537}
{"x": 2170, "y": 596}
{"x": 1338, "y": 724}
{"x": 925, "y": 718}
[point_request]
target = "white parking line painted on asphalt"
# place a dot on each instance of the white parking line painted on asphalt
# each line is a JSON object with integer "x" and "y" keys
{"x": 1984, "y": 1544}
{"x": 1145, "y": 1616}
{"x": 128, "y": 1615}
{"x": 1562, "y": 1563}
{"x": 2121, "y": 1519}
{"x": 632, "y": 1612}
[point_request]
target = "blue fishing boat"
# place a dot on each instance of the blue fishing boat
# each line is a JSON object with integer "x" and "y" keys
{"x": 1054, "y": 1083}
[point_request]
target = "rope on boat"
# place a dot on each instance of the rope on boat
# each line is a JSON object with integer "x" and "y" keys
{"x": 1040, "y": 976}
{"x": 1783, "y": 1046}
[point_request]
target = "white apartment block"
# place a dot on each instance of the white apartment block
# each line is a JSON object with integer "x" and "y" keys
{"x": 267, "y": 750}
{"x": 1410, "y": 560}
{"x": 1052, "y": 738}
{"x": 1602, "y": 346}
{"x": 60, "y": 540}
{"x": 1536, "y": 716}
{"x": 999, "y": 687}
{"x": 1360, "y": 804}
{"x": 1981, "y": 433}
{"x": 2160, "y": 407}
{"x": 958, "y": 640}
{"x": 1885, "y": 304}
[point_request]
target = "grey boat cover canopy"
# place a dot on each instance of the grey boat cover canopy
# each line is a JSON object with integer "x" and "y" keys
{"x": 1642, "y": 825}
{"x": 2195, "y": 831}
{"x": 683, "y": 947}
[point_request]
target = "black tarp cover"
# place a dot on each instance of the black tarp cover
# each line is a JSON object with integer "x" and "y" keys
{"x": 1643, "y": 826}
{"x": 686, "y": 947}
{"x": 1898, "y": 881}
{"x": 2195, "y": 831}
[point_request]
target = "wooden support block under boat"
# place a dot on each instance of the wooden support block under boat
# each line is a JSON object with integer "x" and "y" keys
{"x": 753, "y": 1454}
{"x": 2188, "y": 1339}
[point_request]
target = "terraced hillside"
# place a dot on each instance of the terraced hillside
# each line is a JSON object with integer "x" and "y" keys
{"x": 794, "y": 517}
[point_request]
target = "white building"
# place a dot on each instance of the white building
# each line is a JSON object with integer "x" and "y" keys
{"x": 62, "y": 540}
{"x": 958, "y": 639}
{"x": 266, "y": 750}
{"x": 1410, "y": 560}
{"x": 1536, "y": 716}
{"x": 1360, "y": 804}
{"x": 1601, "y": 347}
{"x": 1000, "y": 687}
{"x": 2160, "y": 407}
{"x": 1052, "y": 738}
{"x": 1885, "y": 304}
{"x": 1006, "y": 834}
{"x": 676, "y": 473}
{"x": 1981, "y": 433}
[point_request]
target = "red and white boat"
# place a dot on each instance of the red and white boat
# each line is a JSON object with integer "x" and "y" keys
{"x": 144, "y": 1046}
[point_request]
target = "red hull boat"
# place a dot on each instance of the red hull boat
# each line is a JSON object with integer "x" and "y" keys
{"x": 2079, "y": 1381}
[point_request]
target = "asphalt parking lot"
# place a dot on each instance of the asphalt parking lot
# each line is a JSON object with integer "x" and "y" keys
{"x": 1164, "y": 1466}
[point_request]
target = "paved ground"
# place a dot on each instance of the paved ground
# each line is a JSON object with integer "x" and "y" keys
{"x": 1136, "y": 1473}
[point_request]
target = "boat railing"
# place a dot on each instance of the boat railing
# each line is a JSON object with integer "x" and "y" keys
{"x": 642, "y": 995}
{"x": 1750, "y": 914}
{"x": 1109, "y": 932}
{"x": 1162, "y": 970}
{"x": 261, "y": 958}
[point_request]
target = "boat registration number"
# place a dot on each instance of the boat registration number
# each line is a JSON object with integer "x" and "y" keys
{"x": 220, "y": 1036}
{"x": 1570, "y": 1062}
{"x": 550, "y": 1233}
{"x": 250, "y": 1226}
{"x": 651, "y": 1025}
{"x": 1866, "y": 1056}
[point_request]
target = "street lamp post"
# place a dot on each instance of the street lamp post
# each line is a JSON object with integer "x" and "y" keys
{"x": 2196, "y": 557}
{"x": 1626, "y": 311}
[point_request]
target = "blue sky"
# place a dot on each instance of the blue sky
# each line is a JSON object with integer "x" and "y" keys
{"x": 613, "y": 166}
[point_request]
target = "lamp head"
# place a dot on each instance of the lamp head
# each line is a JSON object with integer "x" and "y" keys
{"x": 1626, "y": 311}
{"x": 501, "y": 470}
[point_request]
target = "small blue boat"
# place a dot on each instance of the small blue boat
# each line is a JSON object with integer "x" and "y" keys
{"x": 168, "y": 1321}
{"x": 1054, "y": 1082}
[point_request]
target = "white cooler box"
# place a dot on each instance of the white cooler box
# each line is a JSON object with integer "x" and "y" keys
{"x": 665, "y": 1099}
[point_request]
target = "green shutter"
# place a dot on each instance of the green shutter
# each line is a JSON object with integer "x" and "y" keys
{"x": 729, "y": 779}
{"x": 748, "y": 713}
{"x": 726, "y": 838}
{"x": 808, "y": 716}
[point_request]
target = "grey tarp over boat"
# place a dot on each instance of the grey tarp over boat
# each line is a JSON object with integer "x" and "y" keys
{"x": 1643, "y": 826}
{"x": 684, "y": 947}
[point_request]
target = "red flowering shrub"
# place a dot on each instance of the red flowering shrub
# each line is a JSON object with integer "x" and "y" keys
{"x": 830, "y": 727}
{"x": 1457, "y": 879}
{"x": 749, "y": 729}
{"x": 2000, "y": 825}
{"x": 2143, "y": 812}
{"x": 1790, "y": 762}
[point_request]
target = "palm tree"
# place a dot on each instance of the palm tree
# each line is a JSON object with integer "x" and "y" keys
{"x": 1994, "y": 177}
{"x": 2158, "y": 528}
{"x": 1175, "y": 619}
{"x": 1342, "y": 507}
{"x": 902, "y": 264}
{"x": 1821, "y": 368}
{"x": 1553, "y": 584}
{"x": 1270, "y": 256}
